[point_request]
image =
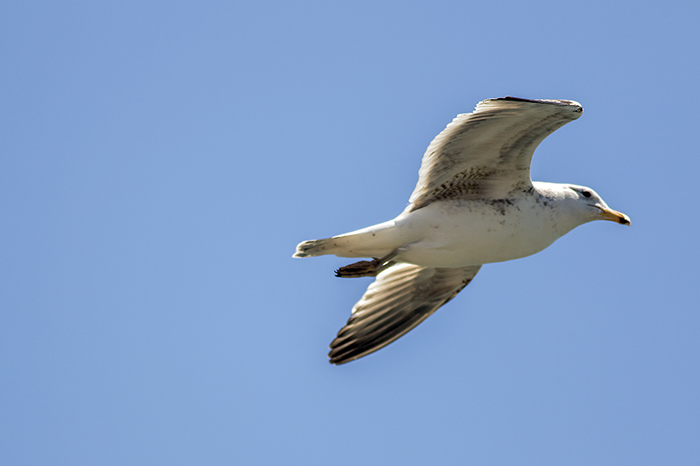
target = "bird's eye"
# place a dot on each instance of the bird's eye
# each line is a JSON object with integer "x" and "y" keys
{"x": 586, "y": 194}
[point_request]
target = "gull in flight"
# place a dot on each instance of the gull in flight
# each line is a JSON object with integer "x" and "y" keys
{"x": 474, "y": 204}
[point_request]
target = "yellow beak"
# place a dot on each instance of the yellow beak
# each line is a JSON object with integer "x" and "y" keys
{"x": 614, "y": 216}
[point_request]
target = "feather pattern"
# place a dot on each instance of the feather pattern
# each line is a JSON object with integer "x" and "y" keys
{"x": 398, "y": 300}
{"x": 486, "y": 154}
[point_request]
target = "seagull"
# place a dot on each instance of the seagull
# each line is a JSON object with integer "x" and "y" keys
{"x": 474, "y": 204}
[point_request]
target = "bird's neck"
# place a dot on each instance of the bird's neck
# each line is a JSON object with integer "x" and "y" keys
{"x": 560, "y": 201}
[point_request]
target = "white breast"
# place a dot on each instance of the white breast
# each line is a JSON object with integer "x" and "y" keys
{"x": 466, "y": 233}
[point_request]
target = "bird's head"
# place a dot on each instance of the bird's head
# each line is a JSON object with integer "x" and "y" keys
{"x": 594, "y": 207}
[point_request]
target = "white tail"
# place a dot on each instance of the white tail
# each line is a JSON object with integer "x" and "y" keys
{"x": 375, "y": 241}
{"x": 314, "y": 247}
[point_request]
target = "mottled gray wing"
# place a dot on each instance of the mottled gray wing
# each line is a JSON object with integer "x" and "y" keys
{"x": 486, "y": 154}
{"x": 400, "y": 298}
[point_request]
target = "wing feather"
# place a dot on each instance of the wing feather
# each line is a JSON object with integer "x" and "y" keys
{"x": 486, "y": 154}
{"x": 398, "y": 300}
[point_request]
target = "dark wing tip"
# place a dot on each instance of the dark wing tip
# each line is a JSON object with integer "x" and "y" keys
{"x": 539, "y": 101}
{"x": 571, "y": 107}
{"x": 358, "y": 338}
{"x": 517, "y": 99}
{"x": 340, "y": 359}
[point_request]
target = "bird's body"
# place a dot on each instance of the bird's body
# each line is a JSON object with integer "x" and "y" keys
{"x": 474, "y": 204}
{"x": 460, "y": 233}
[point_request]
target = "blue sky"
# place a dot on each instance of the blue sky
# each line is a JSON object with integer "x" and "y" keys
{"x": 161, "y": 160}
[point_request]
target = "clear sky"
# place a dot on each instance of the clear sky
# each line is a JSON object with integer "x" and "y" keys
{"x": 161, "y": 160}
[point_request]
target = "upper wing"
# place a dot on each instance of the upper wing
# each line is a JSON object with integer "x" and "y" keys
{"x": 400, "y": 298}
{"x": 486, "y": 154}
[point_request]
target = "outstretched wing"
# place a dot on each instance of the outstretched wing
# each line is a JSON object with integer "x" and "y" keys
{"x": 400, "y": 298}
{"x": 486, "y": 154}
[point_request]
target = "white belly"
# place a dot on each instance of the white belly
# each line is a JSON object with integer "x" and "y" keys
{"x": 464, "y": 233}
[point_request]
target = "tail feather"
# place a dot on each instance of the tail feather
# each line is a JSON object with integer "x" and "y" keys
{"x": 374, "y": 241}
{"x": 314, "y": 247}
